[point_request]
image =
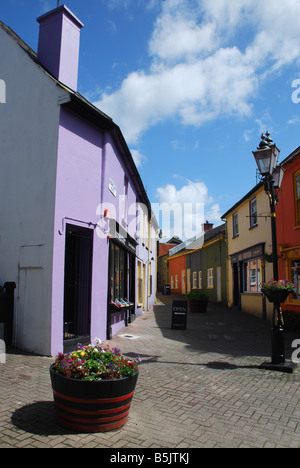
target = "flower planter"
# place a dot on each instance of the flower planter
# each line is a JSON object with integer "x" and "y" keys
{"x": 92, "y": 406}
{"x": 276, "y": 295}
{"x": 198, "y": 306}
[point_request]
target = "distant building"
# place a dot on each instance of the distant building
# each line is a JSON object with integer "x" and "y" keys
{"x": 162, "y": 261}
{"x": 200, "y": 263}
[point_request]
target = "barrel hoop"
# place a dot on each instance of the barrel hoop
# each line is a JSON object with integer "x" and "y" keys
{"x": 99, "y": 428}
{"x": 92, "y": 421}
{"x": 96, "y": 401}
{"x": 87, "y": 412}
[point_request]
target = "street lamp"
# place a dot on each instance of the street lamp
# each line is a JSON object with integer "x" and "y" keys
{"x": 266, "y": 157}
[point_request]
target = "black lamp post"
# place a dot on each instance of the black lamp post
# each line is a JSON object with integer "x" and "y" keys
{"x": 266, "y": 157}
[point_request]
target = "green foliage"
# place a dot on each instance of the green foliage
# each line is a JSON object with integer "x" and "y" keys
{"x": 196, "y": 295}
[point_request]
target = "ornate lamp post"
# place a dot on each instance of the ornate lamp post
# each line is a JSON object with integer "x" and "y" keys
{"x": 266, "y": 157}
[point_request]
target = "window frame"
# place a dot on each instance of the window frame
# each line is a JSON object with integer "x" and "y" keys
{"x": 253, "y": 214}
{"x": 235, "y": 224}
{"x": 194, "y": 280}
{"x": 210, "y": 278}
{"x": 200, "y": 277}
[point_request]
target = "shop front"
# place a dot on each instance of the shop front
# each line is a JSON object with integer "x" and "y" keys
{"x": 121, "y": 279}
{"x": 248, "y": 271}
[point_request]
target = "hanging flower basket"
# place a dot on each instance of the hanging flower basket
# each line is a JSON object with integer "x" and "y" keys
{"x": 278, "y": 291}
{"x": 93, "y": 388}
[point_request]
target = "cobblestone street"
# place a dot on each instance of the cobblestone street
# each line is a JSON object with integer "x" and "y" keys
{"x": 198, "y": 388}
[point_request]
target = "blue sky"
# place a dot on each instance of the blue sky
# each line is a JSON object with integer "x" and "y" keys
{"x": 191, "y": 83}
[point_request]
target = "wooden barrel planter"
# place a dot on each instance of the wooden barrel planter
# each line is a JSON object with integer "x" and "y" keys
{"x": 198, "y": 306}
{"x": 92, "y": 406}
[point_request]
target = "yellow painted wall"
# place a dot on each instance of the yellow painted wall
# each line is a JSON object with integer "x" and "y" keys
{"x": 247, "y": 238}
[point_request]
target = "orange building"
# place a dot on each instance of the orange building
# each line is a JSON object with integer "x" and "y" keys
{"x": 288, "y": 227}
{"x": 177, "y": 273}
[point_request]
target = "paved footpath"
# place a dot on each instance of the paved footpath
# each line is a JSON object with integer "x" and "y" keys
{"x": 198, "y": 388}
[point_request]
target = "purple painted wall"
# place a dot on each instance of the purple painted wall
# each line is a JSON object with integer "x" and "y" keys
{"x": 58, "y": 48}
{"x": 87, "y": 159}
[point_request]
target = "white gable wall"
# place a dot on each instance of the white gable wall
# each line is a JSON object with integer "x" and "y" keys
{"x": 28, "y": 152}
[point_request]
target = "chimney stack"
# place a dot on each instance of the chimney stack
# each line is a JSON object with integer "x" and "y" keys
{"x": 207, "y": 226}
{"x": 58, "y": 48}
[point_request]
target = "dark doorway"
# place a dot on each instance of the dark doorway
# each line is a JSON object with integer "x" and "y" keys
{"x": 236, "y": 285}
{"x": 78, "y": 286}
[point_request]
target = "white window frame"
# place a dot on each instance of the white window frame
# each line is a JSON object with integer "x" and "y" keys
{"x": 200, "y": 280}
{"x": 210, "y": 278}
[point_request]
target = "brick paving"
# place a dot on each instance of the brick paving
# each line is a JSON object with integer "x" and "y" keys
{"x": 198, "y": 388}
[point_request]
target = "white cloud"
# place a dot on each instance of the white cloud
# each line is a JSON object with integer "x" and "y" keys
{"x": 183, "y": 211}
{"x": 207, "y": 60}
{"x": 138, "y": 157}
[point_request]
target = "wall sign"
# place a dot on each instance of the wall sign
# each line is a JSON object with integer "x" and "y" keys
{"x": 112, "y": 187}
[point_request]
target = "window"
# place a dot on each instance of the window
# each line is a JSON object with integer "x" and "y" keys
{"x": 200, "y": 280}
{"x": 172, "y": 282}
{"x": 118, "y": 273}
{"x": 252, "y": 275}
{"x": 235, "y": 227}
{"x": 297, "y": 198}
{"x": 210, "y": 278}
{"x": 124, "y": 199}
{"x": 194, "y": 279}
{"x": 253, "y": 213}
{"x": 176, "y": 281}
{"x": 296, "y": 276}
{"x": 139, "y": 284}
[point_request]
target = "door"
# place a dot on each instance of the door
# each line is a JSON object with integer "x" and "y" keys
{"x": 78, "y": 285}
{"x": 183, "y": 281}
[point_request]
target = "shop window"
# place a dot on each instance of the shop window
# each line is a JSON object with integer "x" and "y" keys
{"x": 253, "y": 213}
{"x": 297, "y": 198}
{"x": 252, "y": 275}
{"x": 139, "y": 284}
{"x": 118, "y": 273}
{"x": 296, "y": 276}
{"x": 235, "y": 226}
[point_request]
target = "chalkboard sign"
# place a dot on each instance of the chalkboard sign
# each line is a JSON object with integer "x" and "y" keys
{"x": 179, "y": 315}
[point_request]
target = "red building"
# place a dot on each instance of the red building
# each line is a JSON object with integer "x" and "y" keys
{"x": 288, "y": 227}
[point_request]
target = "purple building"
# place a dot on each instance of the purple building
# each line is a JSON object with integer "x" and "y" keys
{"x": 77, "y": 234}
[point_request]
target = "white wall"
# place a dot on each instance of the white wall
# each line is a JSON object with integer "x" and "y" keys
{"x": 28, "y": 151}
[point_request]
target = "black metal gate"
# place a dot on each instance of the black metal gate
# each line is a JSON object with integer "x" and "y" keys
{"x": 78, "y": 286}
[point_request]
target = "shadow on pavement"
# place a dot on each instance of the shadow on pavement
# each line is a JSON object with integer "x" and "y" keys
{"x": 220, "y": 330}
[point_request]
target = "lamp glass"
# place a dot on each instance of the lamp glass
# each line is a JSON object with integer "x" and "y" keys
{"x": 265, "y": 161}
{"x": 278, "y": 176}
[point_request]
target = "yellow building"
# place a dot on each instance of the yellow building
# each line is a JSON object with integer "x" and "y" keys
{"x": 249, "y": 245}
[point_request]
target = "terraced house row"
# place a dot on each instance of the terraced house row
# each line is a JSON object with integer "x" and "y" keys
{"x": 229, "y": 262}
